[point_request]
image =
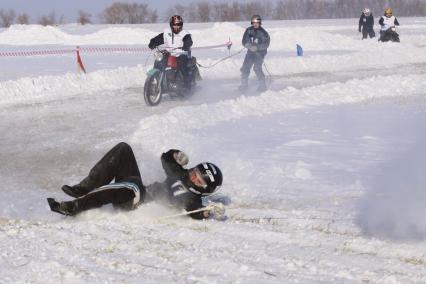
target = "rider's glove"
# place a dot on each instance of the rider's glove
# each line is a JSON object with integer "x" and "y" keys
{"x": 181, "y": 158}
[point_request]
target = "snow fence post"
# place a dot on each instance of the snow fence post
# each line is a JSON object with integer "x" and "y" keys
{"x": 80, "y": 64}
{"x": 299, "y": 50}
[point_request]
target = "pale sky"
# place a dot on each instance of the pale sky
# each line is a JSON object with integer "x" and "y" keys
{"x": 69, "y": 8}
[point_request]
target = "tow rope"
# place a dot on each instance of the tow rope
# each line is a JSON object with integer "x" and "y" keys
{"x": 220, "y": 60}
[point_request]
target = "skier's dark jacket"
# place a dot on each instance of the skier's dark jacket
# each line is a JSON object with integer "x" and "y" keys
{"x": 176, "y": 189}
{"x": 258, "y": 37}
{"x": 159, "y": 40}
{"x": 366, "y": 22}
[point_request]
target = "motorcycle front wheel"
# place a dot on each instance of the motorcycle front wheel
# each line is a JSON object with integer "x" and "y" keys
{"x": 152, "y": 90}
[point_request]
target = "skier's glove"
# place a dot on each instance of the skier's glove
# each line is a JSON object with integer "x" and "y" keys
{"x": 253, "y": 48}
{"x": 216, "y": 210}
{"x": 247, "y": 45}
{"x": 181, "y": 158}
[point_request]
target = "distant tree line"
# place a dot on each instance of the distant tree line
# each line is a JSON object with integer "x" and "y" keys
{"x": 208, "y": 11}
{"x": 116, "y": 13}
{"x": 9, "y": 17}
{"x": 128, "y": 13}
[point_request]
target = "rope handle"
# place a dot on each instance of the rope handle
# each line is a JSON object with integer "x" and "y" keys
{"x": 214, "y": 207}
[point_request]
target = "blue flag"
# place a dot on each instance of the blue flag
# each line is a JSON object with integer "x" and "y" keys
{"x": 299, "y": 50}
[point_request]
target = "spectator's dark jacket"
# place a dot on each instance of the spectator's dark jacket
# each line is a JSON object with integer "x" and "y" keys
{"x": 366, "y": 22}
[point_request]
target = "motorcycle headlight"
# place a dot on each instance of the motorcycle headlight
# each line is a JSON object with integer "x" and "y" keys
{"x": 158, "y": 56}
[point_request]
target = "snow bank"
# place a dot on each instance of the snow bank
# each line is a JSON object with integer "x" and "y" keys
{"x": 312, "y": 39}
{"x": 218, "y": 33}
{"x": 179, "y": 125}
{"x": 281, "y": 38}
{"x": 370, "y": 55}
{"x": 39, "y": 35}
{"x": 30, "y": 90}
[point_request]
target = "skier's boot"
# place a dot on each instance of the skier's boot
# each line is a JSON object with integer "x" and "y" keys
{"x": 262, "y": 86}
{"x": 69, "y": 208}
{"x": 80, "y": 189}
{"x": 244, "y": 85}
{"x": 75, "y": 191}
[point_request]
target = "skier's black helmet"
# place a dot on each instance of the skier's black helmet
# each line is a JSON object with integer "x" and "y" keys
{"x": 176, "y": 23}
{"x": 211, "y": 175}
{"x": 256, "y": 19}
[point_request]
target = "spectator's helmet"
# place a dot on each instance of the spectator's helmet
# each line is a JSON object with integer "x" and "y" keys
{"x": 176, "y": 23}
{"x": 388, "y": 12}
{"x": 206, "y": 178}
{"x": 256, "y": 19}
{"x": 366, "y": 11}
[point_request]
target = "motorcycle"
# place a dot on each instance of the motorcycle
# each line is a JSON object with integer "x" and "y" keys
{"x": 166, "y": 78}
{"x": 390, "y": 35}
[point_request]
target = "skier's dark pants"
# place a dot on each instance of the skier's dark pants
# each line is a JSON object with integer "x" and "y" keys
{"x": 368, "y": 32}
{"x": 118, "y": 164}
{"x": 119, "y": 197}
{"x": 182, "y": 62}
{"x": 254, "y": 59}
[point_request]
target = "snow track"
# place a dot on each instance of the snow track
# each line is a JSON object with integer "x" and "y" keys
{"x": 177, "y": 126}
{"x": 309, "y": 166}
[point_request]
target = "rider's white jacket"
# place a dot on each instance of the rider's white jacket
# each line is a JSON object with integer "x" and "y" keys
{"x": 386, "y": 22}
{"x": 173, "y": 40}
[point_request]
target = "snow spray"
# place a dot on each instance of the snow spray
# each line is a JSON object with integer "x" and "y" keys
{"x": 395, "y": 206}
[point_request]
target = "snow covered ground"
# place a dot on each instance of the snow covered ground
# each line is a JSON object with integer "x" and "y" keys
{"x": 323, "y": 173}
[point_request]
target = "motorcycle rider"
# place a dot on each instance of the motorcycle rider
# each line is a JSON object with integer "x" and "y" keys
{"x": 386, "y": 22}
{"x": 183, "y": 188}
{"x": 256, "y": 39}
{"x": 180, "y": 42}
{"x": 366, "y": 21}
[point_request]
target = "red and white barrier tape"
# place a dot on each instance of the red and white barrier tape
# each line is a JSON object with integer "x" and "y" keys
{"x": 79, "y": 50}
{"x": 94, "y": 50}
{"x": 114, "y": 49}
{"x": 35, "y": 52}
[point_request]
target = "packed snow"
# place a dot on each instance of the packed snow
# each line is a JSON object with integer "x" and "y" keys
{"x": 323, "y": 173}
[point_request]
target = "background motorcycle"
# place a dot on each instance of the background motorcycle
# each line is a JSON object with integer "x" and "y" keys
{"x": 390, "y": 35}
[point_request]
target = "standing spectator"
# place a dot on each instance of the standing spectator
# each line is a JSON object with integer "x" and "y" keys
{"x": 366, "y": 21}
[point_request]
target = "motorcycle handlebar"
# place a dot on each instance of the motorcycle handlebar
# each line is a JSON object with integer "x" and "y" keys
{"x": 188, "y": 53}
